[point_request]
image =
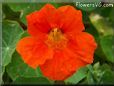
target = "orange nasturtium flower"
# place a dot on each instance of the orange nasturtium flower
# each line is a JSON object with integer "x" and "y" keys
{"x": 58, "y": 43}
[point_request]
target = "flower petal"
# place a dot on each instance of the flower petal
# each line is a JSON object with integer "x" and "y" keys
{"x": 79, "y": 52}
{"x": 84, "y": 45}
{"x": 62, "y": 65}
{"x": 33, "y": 51}
{"x": 72, "y": 19}
{"x": 38, "y": 21}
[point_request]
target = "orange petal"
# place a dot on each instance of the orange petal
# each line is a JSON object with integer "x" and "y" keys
{"x": 72, "y": 19}
{"x": 62, "y": 65}
{"x": 38, "y": 21}
{"x": 51, "y": 15}
{"x": 84, "y": 45}
{"x": 33, "y": 51}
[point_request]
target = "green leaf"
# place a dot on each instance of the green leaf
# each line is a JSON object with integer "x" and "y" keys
{"x": 90, "y": 78}
{"x": 32, "y": 80}
{"x": 56, "y": 5}
{"x": 96, "y": 66}
{"x": 91, "y": 29}
{"x": 108, "y": 74}
{"x": 101, "y": 24}
{"x": 78, "y": 76}
{"x": 25, "y": 34}
{"x": 90, "y": 68}
{"x": 104, "y": 11}
{"x": 25, "y": 9}
{"x": 9, "y": 13}
{"x": 108, "y": 77}
{"x": 90, "y": 75}
{"x": 106, "y": 45}
{"x": 101, "y": 74}
{"x": 11, "y": 34}
{"x": 17, "y": 68}
{"x": 105, "y": 67}
{"x": 104, "y": 28}
{"x": 2, "y": 70}
{"x": 111, "y": 16}
{"x": 1, "y": 15}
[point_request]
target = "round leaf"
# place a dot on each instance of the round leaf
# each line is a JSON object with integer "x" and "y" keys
{"x": 106, "y": 44}
{"x": 25, "y": 8}
{"x": 11, "y": 33}
{"x": 17, "y": 68}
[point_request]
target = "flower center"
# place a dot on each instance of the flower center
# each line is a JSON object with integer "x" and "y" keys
{"x": 56, "y": 39}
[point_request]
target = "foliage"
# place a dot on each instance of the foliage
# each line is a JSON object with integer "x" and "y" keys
{"x": 97, "y": 23}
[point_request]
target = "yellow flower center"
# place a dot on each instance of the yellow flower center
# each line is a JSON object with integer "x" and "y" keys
{"x": 56, "y": 39}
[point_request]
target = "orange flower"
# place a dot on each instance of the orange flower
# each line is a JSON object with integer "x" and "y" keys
{"x": 57, "y": 43}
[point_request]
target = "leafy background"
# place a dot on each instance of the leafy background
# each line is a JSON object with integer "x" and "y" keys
{"x": 98, "y": 21}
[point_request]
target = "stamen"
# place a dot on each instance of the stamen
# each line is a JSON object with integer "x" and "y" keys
{"x": 56, "y": 39}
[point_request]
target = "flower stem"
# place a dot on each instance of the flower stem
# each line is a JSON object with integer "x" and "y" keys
{"x": 24, "y": 27}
